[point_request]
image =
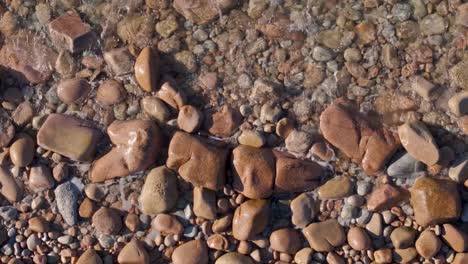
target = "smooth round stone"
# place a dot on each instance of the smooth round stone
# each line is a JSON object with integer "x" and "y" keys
{"x": 134, "y": 252}
{"x": 303, "y": 210}
{"x": 286, "y": 240}
{"x": 234, "y": 258}
{"x": 94, "y": 192}
{"x": 189, "y": 118}
{"x": 155, "y": 108}
{"x": 251, "y": 138}
{"x": 404, "y": 166}
{"x": 89, "y": 257}
{"x": 147, "y": 70}
{"x": 167, "y": 224}
{"x": 336, "y": 188}
{"x": 40, "y": 178}
{"x": 455, "y": 238}
{"x": 110, "y": 92}
{"x": 22, "y": 151}
{"x": 304, "y": 256}
{"x": 418, "y": 141}
{"x": 191, "y": 252}
{"x": 73, "y": 90}
{"x": 403, "y": 237}
{"x": 383, "y": 256}
{"x": 159, "y": 193}
{"x": 333, "y": 258}
{"x": 358, "y": 239}
{"x": 38, "y": 224}
{"x": 428, "y": 244}
{"x": 107, "y": 221}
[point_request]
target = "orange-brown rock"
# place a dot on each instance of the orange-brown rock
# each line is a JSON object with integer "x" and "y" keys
{"x": 110, "y": 92}
{"x": 286, "y": 240}
{"x": 192, "y": 252}
{"x": 202, "y": 11}
{"x": 324, "y": 236}
{"x": 250, "y": 219}
{"x": 224, "y": 122}
{"x": 146, "y": 69}
{"x": 171, "y": 96}
{"x": 73, "y": 90}
{"x": 385, "y": 197}
{"x": 167, "y": 224}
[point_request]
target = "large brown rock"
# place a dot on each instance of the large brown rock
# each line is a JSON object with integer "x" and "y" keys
{"x": 8, "y": 186}
{"x": 253, "y": 171}
{"x": 197, "y": 161}
{"x": 419, "y": 143}
{"x": 202, "y": 11}
{"x": 224, "y": 122}
{"x": 435, "y": 201}
{"x": 348, "y": 130}
{"x": 136, "y": 146}
{"x": 69, "y": 136}
{"x": 89, "y": 257}
{"x": 385, "y": 197}
{"x": 159, "y": 193}
{"x": 286, "y": 240}
{"x": 146, "y": 69}
{"x": 28, "y": 58}
{"x": 295, "y": 175}
{"x": 69, "y": 32}
{"x": 250, "y": 219}
{"x": 192, "y": 252}
{"x": 133, "y": 252}
{"x": 324, "y": 236}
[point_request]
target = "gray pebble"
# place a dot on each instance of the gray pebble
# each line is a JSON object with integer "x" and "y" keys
{"x": 66, "y": 195}
{"x": 8, "y": 213}
{"x": 363, "y": 187}
{"x": 404, "y": 166}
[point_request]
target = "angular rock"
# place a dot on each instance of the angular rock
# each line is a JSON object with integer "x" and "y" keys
{"x": 189, "y": 118}
{"x": 120, "y": 61}
{"x": 133, "y": 252}
{"x": 22, "y": 150}
{"x": 385, "y": 197}
{"x": 303, "y": 210}
{"x": 295, "y": 175}
{"x": 224, "y": 122}
{"x": 324, "y": 236}
{"x": 159, "y": 193}
{"x": 435, "y": 201}
{"x": 197, "y": 161}
{"x": 459, "y": 169}
{"x": 28, "y": 58}
{"x": 458, "y": 104}
{"x": 455, "y": 238}
{"x": 204, "y": 203}
{"x": 66, "y": 195}
{"x": 8, "y": 186}
{"x": 286, "y": 240}
{"x": 254, "y": 171}
{"x": 250, "y": 219}
{"x": 428, "y": 244}
{"x": 40, "y": 178}
{"x": 107, "y": 221}
{"x": 147, "y": 69}
{"x": 70, "y": 33}
{"x": 137, "y": 145}
{"x": 202, "y": 11}
{"x": 69, "y": 136}
{"x": 192, "y": 252}
{"x": 418, "y": 141}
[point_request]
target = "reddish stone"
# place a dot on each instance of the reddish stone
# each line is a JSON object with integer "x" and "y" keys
{"x": 385, "y": 197}
{"x": 70, "y": 33}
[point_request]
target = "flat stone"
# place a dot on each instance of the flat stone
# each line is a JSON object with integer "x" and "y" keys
{"x": 189, "y": 118}
{"x": 159, "y": 193}
{"x": 303, "y": 210}
{"x": 251, "y": 138}
{"x": 375, "y": 226}
{"x": 418, "y": 141}
{"x": 223, "y": 122}
{"x": 204, "y": 203}
{"x": 192, "y": 252}
{"x": 459, "y": 169}
{"x": 27, "y": 57}
{"x": 455, "y": 238}
{"x": 69, "y": 136}
{"x": 23, "y": 114}
{"x": 385, "y": 197}
{"x": 197, "y": 161}
{"x": 286, "y": 240}
{"x": 202, "y": 11}
{"x": 336, "y": 188}
{"x": 234, "y": 258}
{"x": 8, "y": 186}
{"x": 403, "y": 237}
{"x": 147, "y": 69}
{"x": 66, "y": 196}
{"x": 89, "y": 257}
{"x": 358, "y": 239}
{"x": 324, "y": 236}
{"x": 423, "y": 87}
{"x": 403, "y": 167}
{"x": 107, "y": 221}
{"x": 22, "y": 150}
{"x": 133, "y": 252}
{"x": 458, "y": 103}
{"x": 167, "y": 224}
{"x": 250, "y": 219}
{"x": 70, "y": 33}
{"x": 155, "y": 108}
{"x": 295, "y": 175}
{"x": 40, "y": 178}
{"x": 137, "y": 144}
{"x": 120, "y": 61}
{"x": 254, "y": 171}
{"x": 428, "y": 244}
{"x": 435, "y": 201}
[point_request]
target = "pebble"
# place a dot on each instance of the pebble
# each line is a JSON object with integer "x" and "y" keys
{"x": 432, "y": 24}
{"x": 204, "y": 203}
{"x": 419, "y": 143}
{"x": 251, "y": 138}
{"x": 89, "y": 257}
{"x": 303, "y": 210}
{"x": 32, "y": 242}
{"x": 383, "y": 255}
{"x": 223, "y": 122}
{"x": 147, "y": 69}
{"x": 22, "y": 150}
{"x": 155, "y": 108}
{"x": 403, "y": 237}
{"x": 386, "y": 196}
{"x": 298, "y": 141}
{"x": 38, "y": 224}
{"x": 191, "y": 252}
{"x": 40, "y": 178}
{"x": 322, "y": 54}
{"x": 107, "y": 221}
{"x": 8, "y": 186}
{"x": 324, "y": 236}
{"x": 423, "y": 87}
{"x": 358, "y": 239}
{"x": 234, "y": 258}
{"x": 428, "y": 244}
{"x": 286, "y": 240}
{"x": 458, "y": 103}
{"x": 134, "y": 252}
{"x": 250, "y": 219}
{"x": 458, "y": 171}
{"x": 455, "y": 238}
{"x": 110, "y": 92}
{"x": 167, "y": 224}
{"x": 189, "y": 118}
{"x": 336, "y": 188}
{"x": 66, "y": 196}
{"x": 304, "y": 256}
{"x": 404, "y": 167}
{"x": 159, "y": 193}
{"x": 73, "y": 90}
{"x": 375, "y": 226}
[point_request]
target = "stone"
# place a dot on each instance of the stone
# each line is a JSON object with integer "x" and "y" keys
{"x": 22, "y": 150}
{"x": 171, "y": 96}
{"x": 38, "y": 224}
{"x": 155, "y": 108}
{"x": 428, "y": 244}
{"x": 8, "y": 186}
{"x": 87, "y": 208}
{"x": 253, "y": 171}
{"x": 70, "y": 33}
{"x": 27, "y": 57}
{"x": 405, "y": 255}
{"x": 250, "y": 219}
{"x": 65, "y": 65}
{"x": 455, "y": 238}
{"x": 167, "y": 224}
{"x": 404, "y": 166}
{"x": 390, "y": 57}
{"x": 458, "y": 104}
{"x": 435, "y": 201}
{"x": 336, "y": 188}
{"x": 298, "y": 141}
{"x": 7, "y": 131}
{"x": 120, "y": 60}
{"x": 385, "y": 197}
{"x": 303, "y": 210}
{"x": 192, "y": 252}
{"x": 375, "y": 226}
{"x": 110, "y": 92}
{"x": 458, "y": 74}
{"x": 132, "y": 222}
{"x": 137, "y": 144}
{"x": 89, "y": 257}
{"x": 23, "y": 114}
{"x": 251, "y": 138}
{"x": 234, "y": 258}
{"x": 133, "y": 252}
{"x": 286, "y": 240}
{"x": 460, "y": 258}
{"x": 322, "y": 151}
{"x": 459, "y": 169}
{"x": 204, "y": 203}
{"x": 189, "y": 118}
{"x": 304, "y": 256}
{"x": 333, "y": 258}
{"x": 40, "y": 178}
{"x": 66, "y": 196}
{"x": 159, "y": 193}
{"x": 284, "y": 127}
{"x": 147, "y": 69}
{"x": 73, "y": 90}
{"x": 295, "y": 175}
{"x": 365, "y": 32}
{"x": 423, "y": 87}
{"x": 107, "y": 221}
{"x": 462, "y": 15}
{"x": 166, "y": 27}
{"x": 69, "y": 136}
{"x": 358, "y": 239}
{"x": 324, "y": 236}
{"x": 403, "y": 237}
{"x": 433, "y": 24}
{"x": 224, "y": 122}
{"x": 202, "y": 11}
{"x": 136, "y": 30}
{"x": 218, "y": 242}
{"x": 197, "y": 161}
{"x": 345, "y": 128}
{"x": 383, "y": 255}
